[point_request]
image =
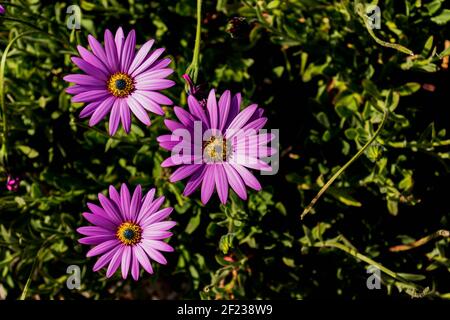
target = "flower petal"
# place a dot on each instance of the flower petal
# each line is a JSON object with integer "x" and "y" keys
{"x": 235, "y": 181}
{"x": 147, "y": 103}
{"x": 248, "y": 178}
{"x": 89, "y": 109}
{"x": 114, "y": 118}
{"x": 156, "y": 217}
{"x": 147, "y": 62}
{"x": 153, "y": 253}
{"x": 146, "y": 203}
{"x": 197, "y": 110}
{"x": 161, "y": 226}
{"x": 221, "y": 183}
{"x": 234, "y": 109}
{"x": 98, "y": 50}
{"x": 103, "y": 247}
{"x": 119, "y": 39}
{"x": 157, "y": 84}
{"x": 128, "y": 51}
{"x": 111, "y": 51}
{"x": 184, "y": 117}
{"x": 224, "y": 108}
{"x": 194, "y": 181}
{"x": 99, "y": 220}
{"x": 115, "y": 262}
{"x": 156, "y": 234}
{"x": 208, "y": 184}
{"x": 93, "y": 59}
{"x": 102, "y": 110}
{"x": 90, "y": 69}
{"x": 126, "y": 261}
{"x": 138, "y": 110}
{"x": 134, "y": 265}
{"x": 184, "y": 171}
{"x": 104, "y": 259}
{"x": 159, "y": 245}
{"x": 125, "y": 202}
{"x": 240, "y": 120}
{"x": 93, "y": 231}
{"x": 135, "y": 205}
{"x": 125, "y": 115}
{"x": 211, "y": 105}
{"x": 83, "y": 79}
{"x": 110, "y": 208}
{"x": 91, "y": 96}
{"x": 143, "y": 258}
{"x": 155, "y": 205}
{"x": 94, "y": 240}
{"x": 140, "y": 56}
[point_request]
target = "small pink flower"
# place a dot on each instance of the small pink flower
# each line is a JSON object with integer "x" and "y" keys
{"x": 12, "y": 183}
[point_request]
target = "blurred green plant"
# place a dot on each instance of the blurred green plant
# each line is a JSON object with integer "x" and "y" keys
{"x": 324, "y": 79}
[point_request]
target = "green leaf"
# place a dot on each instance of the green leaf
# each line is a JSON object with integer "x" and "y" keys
{"x": 444, "y": 53}
{"x": 194, "y": 222}
{"x": 323, "y": 119}
{"x": 442, "y": 18}
{"x": 273, "y": 4}
{"x": 427, "y": 47}
{"x": 344, "y": 197}
{"x": 412, "y": 277}
{"x": 392, "y": 206}
{"x": 433, "y": 6}
{"x": 408, "y": 88}
{"x": 226, "y": 242}
{"x": 289, "y": 262}
{"x": 278, "y": 71}
{"x": 29, "y": 152}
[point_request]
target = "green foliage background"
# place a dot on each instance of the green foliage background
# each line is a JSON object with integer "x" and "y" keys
{"x": 322, "y": 79}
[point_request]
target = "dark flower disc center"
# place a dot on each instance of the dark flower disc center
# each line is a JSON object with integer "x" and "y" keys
{"x": 121, "y": 84}
{"x": 128, "y": 234}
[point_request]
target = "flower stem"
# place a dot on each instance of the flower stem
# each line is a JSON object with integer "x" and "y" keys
{"x": 367, "y": 260}
{"x": 345, "y": 166}
{"x": 421, "y": 241}
{"x": 192, "y": 70}
{"x": 33, "y": 267}
{"x": 4, "y": 149}
{"x": 398, "y": 47}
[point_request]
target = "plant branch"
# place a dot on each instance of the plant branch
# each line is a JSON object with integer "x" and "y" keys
{"x": 421, "y": 241}
{"x": 192, "y": 70}
{"x": 345, "y": 166}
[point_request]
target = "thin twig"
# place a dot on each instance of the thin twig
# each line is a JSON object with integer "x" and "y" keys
{"x": 192, "y": 70}
{"x": 421, "y": 241}
{"x": 345, "y": 166}
{"x": 369, "y": 261}
{"x": 360, "y": 11}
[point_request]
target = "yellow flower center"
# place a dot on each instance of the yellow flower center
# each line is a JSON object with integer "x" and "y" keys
{"x": 120, "y": 84}
{"x": 215, "y": 149}
{"x": 129, "y": 233}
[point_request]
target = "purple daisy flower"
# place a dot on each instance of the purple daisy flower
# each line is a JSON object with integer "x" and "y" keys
{"x": 118, "y": 80}
{"x": 127, "y": 231}
{"x": 230, "y": 142}
{"x": 2, "y": 9}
